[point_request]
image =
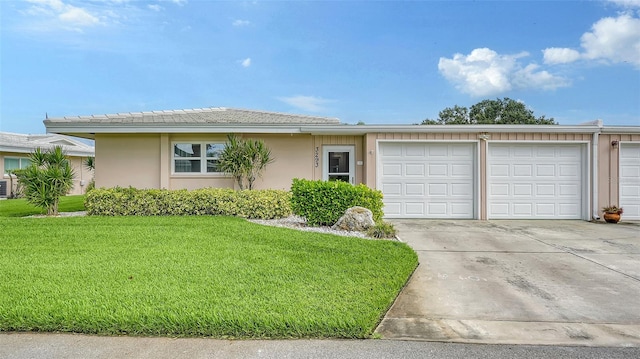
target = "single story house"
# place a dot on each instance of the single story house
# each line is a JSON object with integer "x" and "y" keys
{"x": 14, "y": 154}
{"x": 424, "y": 171}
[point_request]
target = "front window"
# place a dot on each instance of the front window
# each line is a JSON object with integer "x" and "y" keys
{"x": 197, "y": 157}
{"x": 15, "y": 163}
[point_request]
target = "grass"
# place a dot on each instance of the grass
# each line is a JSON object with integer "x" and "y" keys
{"x": 193, "y": 276}
{"x": 20, "y": 207}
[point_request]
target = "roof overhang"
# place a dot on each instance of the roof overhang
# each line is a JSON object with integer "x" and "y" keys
{"x": 89, "y": 130}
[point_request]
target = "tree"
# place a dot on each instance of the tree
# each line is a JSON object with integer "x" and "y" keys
{"x": 245, "y": 160}
{"x": 498, "y": 111}
{"x": 48, "y": 178}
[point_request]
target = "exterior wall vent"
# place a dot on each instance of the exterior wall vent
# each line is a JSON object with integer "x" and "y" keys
{"x": 3, "y": 189}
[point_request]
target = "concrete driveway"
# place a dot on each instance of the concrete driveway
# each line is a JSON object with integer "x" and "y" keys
{"x": 520, "y": 282}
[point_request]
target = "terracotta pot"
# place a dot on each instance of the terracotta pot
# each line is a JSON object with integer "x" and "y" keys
{"x": 611, "y": 217}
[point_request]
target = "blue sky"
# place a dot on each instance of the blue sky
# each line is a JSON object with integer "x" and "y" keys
{"x": 382, "y": 62}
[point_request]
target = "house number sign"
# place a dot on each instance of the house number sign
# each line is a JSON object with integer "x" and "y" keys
{"x": 316, "y": 157}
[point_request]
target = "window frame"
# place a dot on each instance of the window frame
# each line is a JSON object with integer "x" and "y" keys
{"x": 203, "y": 158}
{"x": 20, "y": 164}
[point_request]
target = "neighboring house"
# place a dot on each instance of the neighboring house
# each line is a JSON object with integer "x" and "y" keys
{"x": 14, "y": 154}
{"x": 436, "y": 171}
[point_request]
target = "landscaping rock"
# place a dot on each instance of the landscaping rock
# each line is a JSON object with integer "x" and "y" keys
{"x": 355, "y": 219}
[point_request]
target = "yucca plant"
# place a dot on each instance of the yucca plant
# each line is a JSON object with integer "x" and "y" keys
{"x": 48, "y": 178}
{"x": 245, "y": 160}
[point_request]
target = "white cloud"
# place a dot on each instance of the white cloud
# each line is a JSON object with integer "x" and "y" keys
{"x": 240, "y": 23}
{"x": 154, "y": 7}
{"x": 306, "y": 103}
{"x": 484, "y": 72}
{"x": 613, "y": 39}
{"x": 179, "y": 2}
{"x": 67, "y": 16}
{"x": 531, "y": 77}
{"x": 76, "y": 16}
{"x": 557, "y": 55}
{"x": 246, "y": 62}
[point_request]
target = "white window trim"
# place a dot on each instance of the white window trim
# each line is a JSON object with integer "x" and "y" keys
{"x": 203, "y": 159}
{"x": 4, "y": 170}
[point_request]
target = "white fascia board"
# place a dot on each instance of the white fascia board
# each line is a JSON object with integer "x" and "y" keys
{"x": 363, "y": 129}
{"x": 28, "y": 150}
{"x": 621, "y": 129}
{"x": 15, "y": 149}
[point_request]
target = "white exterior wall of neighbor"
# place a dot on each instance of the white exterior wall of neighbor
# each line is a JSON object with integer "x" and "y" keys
{"x": 19, "y": 146}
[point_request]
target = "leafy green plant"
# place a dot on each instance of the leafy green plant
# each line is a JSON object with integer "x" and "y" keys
{"x": 245, "y": 160}
{"x": 90, "y": 164}
{"x": 324, "y": 202}
{"x": 48, "y": 178}
{"x": 382, "y": 229}
{"x": 264, "y": 204}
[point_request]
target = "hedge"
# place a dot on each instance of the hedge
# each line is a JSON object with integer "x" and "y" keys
{"x": 324, "y": 202}
{"x": 118, "y": 201}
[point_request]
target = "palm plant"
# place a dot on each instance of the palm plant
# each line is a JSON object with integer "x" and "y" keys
{"x": 245, "y": 160}
{"x": 49, "y": 177}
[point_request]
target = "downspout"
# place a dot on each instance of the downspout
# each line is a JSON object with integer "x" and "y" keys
{"x": 594, "y": 172}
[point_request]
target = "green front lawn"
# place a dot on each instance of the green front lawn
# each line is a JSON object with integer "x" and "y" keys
{"x": 20, "y": 207}
{"x": 193, "y": 276}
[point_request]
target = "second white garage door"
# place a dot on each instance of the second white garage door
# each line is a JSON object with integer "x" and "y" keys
{"x": 630, "y": 180}
{"x": 535, "y": 181}
{"x": 427, "y": 180}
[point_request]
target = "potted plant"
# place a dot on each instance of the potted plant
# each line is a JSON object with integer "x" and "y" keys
{"x": 612, "y": 213}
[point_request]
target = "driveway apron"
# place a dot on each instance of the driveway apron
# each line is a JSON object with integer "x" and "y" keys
{"x": 520, "y": 282}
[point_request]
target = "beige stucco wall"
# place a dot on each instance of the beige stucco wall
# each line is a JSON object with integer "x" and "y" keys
{"x": 145, "y": 161}
{"x": 609, "y": 170}
{"x": 82, "y": 175}
{"x": 127, "y": 160}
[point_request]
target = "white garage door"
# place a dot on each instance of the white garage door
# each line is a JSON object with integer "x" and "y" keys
{"x": 535, "y": 181}
{"x": 427, "y": 180}
{"x": 630, "y": 180}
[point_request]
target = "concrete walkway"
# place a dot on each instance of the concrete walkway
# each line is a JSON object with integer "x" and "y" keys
{"x": 520, "y": 282}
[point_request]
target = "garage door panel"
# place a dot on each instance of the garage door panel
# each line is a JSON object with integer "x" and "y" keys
{"x": 461, "y": 190}
{"x": 414, "y": 150}
{"x": 546, "y": 170}
{"x": 437, "y": 189}
{"x": 392, "y": 170}
{"x": 414, "y": 169}
{"x": 461, "y": 170}
{"x": 414, "y": 208}
{"x": 392, "y": 208}
{"x": 392, "y": 189}
{"x": 414, "y": 189}
{"x": 525, "y": 189}
{"x": 499, "y": 170}
{"x": 436, "y": 179}
{"x": 522, "y": 170}
{"x": 531, "y": 181}
{"x": 499, "y": 189}
{"x": 630, "y": 180}
{"x": 437, "y": 169}
{"x": 545, "y": 189}
{"x": 569, "y": 171}
{"x": 437, "y": 151}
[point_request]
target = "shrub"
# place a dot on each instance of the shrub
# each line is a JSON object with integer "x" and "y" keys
{"x": 48, "y": 178}
{"x": 264, "y": 204}
{"x": 382, "y": 229}
{"x": 324, "y": 202}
